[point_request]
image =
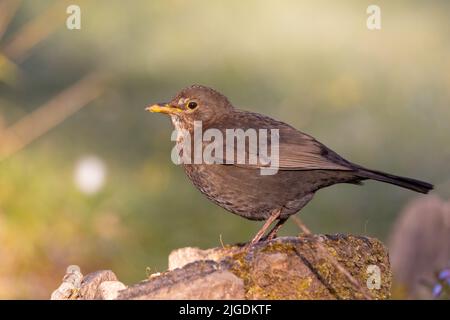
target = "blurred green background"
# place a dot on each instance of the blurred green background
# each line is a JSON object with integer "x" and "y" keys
{"x": 379, "y": 98}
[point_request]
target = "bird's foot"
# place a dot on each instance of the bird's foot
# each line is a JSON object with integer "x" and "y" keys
{"x": 273, "y": 233}
{"x": 275, "y": 215}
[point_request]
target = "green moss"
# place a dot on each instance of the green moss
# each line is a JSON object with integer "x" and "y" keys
{"x": 353, "y": 253}
{"x": 279, "y": 286}
{"x": 279, "y": 247}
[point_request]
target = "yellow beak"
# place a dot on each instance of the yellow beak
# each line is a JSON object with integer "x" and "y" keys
{"x": 163, "y": 108}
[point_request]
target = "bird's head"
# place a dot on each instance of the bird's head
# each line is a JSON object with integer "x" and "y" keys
{"x": 194, "y": 103}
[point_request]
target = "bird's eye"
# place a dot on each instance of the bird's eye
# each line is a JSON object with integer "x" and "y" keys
{"x": 192, "y": 105}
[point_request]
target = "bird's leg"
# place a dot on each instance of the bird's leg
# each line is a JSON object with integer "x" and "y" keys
{"x": 274, "y": 216}
{"x": 273, "y": 233}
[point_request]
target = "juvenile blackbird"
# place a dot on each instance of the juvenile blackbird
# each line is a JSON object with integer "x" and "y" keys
{"x": 305, "y": 165}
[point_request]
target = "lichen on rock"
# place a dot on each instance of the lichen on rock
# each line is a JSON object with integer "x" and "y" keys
{"x": 304, "y": 267}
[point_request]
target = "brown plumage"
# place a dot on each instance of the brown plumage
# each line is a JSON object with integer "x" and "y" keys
{"x": 305, "y": 165}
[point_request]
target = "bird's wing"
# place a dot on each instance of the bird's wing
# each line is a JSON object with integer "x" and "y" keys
{"x": 297, "y": 150}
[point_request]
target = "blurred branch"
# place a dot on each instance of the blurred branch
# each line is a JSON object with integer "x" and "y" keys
{"x": 8, "y": 9}
{"x": 51, "y": 114}
{"x": 35, "y": 31}
{"x": 9, "y": 71}
{"x": 2, "y": 125}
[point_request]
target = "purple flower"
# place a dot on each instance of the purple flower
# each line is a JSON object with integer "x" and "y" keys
{"x": 444, "y": 274}
{"x": 437, "y": 290}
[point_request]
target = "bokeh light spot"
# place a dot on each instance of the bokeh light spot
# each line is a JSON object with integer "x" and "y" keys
{"x": 90, "y": 174}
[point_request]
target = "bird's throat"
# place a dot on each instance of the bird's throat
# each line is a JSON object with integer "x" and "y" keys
{"x": 179, "y": 127}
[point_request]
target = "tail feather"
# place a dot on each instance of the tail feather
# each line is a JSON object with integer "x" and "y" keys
{"x": 408, "y": 183}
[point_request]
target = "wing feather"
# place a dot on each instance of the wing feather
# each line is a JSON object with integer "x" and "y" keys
{"x": 297, "y": 150}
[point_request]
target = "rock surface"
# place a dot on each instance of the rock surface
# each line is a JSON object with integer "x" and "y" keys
{"x": 305, "y": 267}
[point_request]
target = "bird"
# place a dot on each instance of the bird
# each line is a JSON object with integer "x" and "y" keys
{"x": 304, "y": 166}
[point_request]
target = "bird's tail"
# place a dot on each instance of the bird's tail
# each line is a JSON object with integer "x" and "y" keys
{"x": 408, "y": 183}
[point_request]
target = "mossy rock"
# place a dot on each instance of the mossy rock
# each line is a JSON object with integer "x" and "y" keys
{"x": 305, "y": 267}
